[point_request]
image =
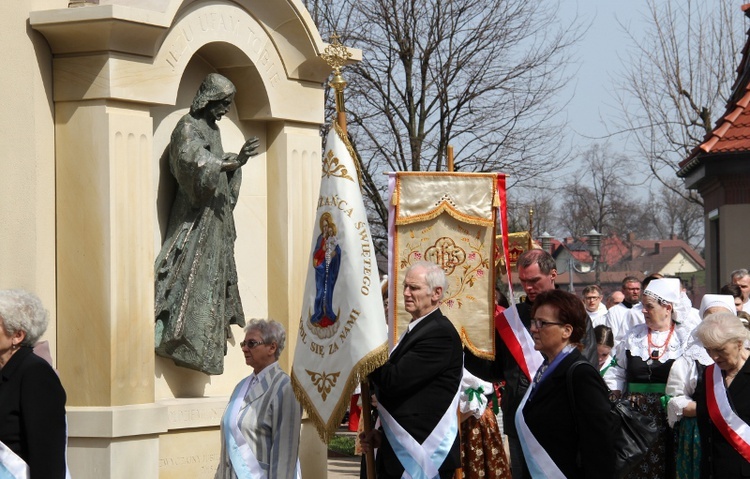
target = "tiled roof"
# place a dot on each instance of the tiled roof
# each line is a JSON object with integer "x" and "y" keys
{"x": 732, "y": 130}
{"x": 631, "y": 254}
{"x": 669, "y": 248}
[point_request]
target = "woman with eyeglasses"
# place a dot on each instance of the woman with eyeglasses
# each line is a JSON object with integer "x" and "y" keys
{"x": 561, "y": 438}
{"x": 644, "y": 358}
{"x": 261, "y": 426}
{"x": 722, "y": 398}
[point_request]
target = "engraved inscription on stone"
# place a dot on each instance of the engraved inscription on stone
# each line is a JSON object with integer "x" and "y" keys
{"x": 195, "y": 417}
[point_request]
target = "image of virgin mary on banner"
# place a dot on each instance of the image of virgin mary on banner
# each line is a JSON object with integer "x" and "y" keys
{"x": 326, "y": 261}
{"x": 449, "y": 219}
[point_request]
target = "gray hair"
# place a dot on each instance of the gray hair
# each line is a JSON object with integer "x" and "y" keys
{"x": 720, "y": 328}
{"x": 434, "y": 275}
{"x": 23, "y": 311}
{"x": 270, "y": 332}
{"x": 739, "y": 273}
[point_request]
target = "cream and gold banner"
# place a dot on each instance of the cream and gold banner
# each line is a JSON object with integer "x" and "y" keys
{"x": 449, "y": 219}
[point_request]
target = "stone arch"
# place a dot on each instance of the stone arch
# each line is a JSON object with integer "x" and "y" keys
{"x": 118, "y": 62}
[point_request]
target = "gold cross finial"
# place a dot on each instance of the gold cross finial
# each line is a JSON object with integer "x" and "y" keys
{"x": 336, "y": 54}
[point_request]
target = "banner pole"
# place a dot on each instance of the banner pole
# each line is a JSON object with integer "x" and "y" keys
{"x": 458, "y": 474}
{"x": 336, "y": 56}
{"x": 367, "y": 418}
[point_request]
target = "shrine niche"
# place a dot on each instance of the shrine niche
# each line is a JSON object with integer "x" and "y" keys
{"x": 122, "y": 74}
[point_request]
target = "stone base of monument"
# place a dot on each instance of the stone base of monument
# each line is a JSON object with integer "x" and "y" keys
{"x": 169, "y": 439}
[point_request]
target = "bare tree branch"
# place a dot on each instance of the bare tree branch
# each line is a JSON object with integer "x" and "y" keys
{"x": 677, "y": 81}
{"x": 481, "y": 75}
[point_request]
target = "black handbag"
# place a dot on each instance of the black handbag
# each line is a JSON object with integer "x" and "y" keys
{"x": 634, "y": 434}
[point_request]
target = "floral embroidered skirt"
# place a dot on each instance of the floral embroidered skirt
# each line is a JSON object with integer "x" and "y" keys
{"x": 482, "y": 452}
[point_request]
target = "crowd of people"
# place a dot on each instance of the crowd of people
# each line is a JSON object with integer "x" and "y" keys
{"x": 683, "y": 367}
{"x": 647, "y": 345}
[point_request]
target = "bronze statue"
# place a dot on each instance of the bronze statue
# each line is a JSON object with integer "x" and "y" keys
{"x": 196, "y": 277}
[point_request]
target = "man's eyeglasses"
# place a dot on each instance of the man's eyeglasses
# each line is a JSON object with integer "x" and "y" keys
{"x": 592, "y": 298}
{"x": 251, "y": 343}
{"x": 539, "y": 324}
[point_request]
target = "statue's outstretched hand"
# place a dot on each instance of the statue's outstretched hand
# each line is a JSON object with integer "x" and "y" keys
{"x": 249, "y": 149}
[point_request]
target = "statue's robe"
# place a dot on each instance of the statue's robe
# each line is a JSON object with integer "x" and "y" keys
{"x": 196, "y": 277}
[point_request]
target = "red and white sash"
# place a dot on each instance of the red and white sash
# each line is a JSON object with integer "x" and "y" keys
{"x": 518, "y": 340}
{"x": 730, "y": 425}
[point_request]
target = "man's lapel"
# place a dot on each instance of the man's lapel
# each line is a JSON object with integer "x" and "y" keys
{"x": 415, "y": 333}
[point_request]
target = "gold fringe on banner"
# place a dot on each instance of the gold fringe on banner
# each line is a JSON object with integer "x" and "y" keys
{"x": 481, "y": 353}
{"x": 444, "y": 207}
{"x": 362, "y": 369}
{"x": 445, "y": 203}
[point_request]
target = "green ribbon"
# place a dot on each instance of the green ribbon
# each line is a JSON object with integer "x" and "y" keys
{"x": 664, "y": 400}
{"x": 495, "y": 402}
{"x": 477, "y": 393}
{"x": 611, "y": 363}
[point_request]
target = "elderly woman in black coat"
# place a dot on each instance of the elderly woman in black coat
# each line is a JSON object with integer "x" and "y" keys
{"x": 32, "y": 400}
{"x": 722, "y": 398}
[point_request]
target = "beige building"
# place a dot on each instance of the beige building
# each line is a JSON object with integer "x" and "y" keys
{"x": 91, "y": 93}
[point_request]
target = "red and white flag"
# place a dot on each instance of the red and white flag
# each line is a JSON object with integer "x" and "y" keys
{"x": 342, "y": 331}
{"x": 507, "y": 323}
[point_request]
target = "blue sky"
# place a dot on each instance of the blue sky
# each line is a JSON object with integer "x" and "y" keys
{"x": 599, "y": 58}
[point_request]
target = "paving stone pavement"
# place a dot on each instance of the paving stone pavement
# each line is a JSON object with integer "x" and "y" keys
{"x": 343, "y": 467}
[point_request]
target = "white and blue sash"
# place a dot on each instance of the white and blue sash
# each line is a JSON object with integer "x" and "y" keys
{"x": 12, "y": 466}
{"x": 537, "y": 460}
{"x": 422, "y": 461}
{"x": 540, "y": 464}
{"x": 244, "y": 462}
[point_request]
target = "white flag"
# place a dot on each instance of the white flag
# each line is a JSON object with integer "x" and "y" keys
{"x": 342, "y": 332}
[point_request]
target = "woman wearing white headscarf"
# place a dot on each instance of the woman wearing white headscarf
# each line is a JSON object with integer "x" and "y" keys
{"x": 681, "y": 384}
{"x": 644, "y": 359}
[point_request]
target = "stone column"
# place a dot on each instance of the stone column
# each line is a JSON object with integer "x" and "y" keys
{"x": 293, "y": 186}
{"x": 105, "y": 286}
{"x": 104, "y": 243}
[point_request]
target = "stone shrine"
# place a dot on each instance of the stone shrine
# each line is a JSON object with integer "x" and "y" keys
{"x": 92, "y": 91}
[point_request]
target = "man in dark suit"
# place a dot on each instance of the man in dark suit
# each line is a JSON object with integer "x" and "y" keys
{"x": 417, "y": 388}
